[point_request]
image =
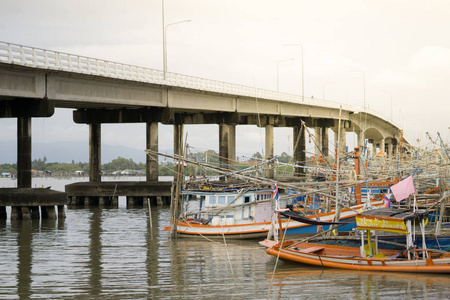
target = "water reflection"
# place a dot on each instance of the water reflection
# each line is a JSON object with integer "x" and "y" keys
{"x": 116, "y": 254}
{"x": 24, "y": 254}
{"x": 95, "y": 252}
{"x": 152, "y": 241}
{"x": 330, "y": 283}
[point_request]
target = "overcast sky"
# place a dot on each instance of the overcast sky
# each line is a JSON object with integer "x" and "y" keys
{"x": 402, "y": 48}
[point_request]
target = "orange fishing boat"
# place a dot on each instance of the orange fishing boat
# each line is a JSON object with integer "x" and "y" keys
{"x": 368, "y": 257}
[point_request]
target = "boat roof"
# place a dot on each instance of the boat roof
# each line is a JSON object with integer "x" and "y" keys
{"x": 222, "y": 191}
{"x": 404, "y": 214}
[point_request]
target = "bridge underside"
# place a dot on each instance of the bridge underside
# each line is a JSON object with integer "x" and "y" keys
{"x": 27, "y": 92}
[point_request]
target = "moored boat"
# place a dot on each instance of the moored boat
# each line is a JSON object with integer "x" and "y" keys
{"x": 243, "y": 212}
{"x": 368, "y": 256}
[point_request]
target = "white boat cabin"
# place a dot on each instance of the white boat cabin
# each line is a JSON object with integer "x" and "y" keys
{"x": 219, "y": 208}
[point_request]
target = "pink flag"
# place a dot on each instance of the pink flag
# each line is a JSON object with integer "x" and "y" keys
{"x": 403, "y": 189}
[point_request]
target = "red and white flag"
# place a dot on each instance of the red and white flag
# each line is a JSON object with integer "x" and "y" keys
{"x": 403, "y": 189}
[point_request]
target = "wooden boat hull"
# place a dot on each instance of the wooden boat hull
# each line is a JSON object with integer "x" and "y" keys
{"x": 348, "y": 258}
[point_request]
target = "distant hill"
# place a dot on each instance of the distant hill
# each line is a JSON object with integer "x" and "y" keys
{"x": 66, "y": 152}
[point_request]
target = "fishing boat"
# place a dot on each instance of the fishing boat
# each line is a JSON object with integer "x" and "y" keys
{"x": 369, "y": 257}
{"x": 240, "y": 211}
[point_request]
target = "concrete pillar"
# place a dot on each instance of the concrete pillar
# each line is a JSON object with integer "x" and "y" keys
{"x": 115, "y": 201}
{"x": 342, "y": 139}
{"x": 177, "y": 145}
{"x": 152, "y": 144}
{"x": 16, "y": 213}
{"x": 232, "y": 143}
{"x": 394, "y": 147}
{"x": 269, "y": 151}
{"x": 361, "y": 139}
{"x": 51, "y": 213}
{"x": 325, "y": 147}
{"x": 227, "y": 145}
{"x": 317, "y": 142}
{"x": 26, "y": 214}
{"x": 24, "y": 152}
{"x": 61, "y": 212}
{"x": 299, "y": 150}
{"x": 95, "y": 152}
{"x": 130, "y": 202}
{"x": 390, "y": 149}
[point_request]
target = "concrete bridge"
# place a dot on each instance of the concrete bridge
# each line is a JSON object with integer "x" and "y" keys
{"x": 34, "y": 81}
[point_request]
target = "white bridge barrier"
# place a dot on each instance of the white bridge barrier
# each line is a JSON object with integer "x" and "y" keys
{"x": 58, "y": 61}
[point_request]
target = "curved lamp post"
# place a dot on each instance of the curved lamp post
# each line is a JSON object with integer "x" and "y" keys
{"x": 165, "y": 44}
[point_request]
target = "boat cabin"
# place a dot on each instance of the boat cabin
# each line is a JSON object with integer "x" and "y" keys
{"x": 230, "y": 207}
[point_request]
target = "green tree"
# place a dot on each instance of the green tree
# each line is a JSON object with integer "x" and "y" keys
{"x": 257, "y": 155}
{"x": 120, "y": 164}
{"x": 39, "y": 164}
{"x": 284, "y": 157}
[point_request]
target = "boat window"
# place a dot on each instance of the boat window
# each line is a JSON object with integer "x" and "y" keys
{"x": 246, "y": 199}
{"x": 212, "y": 199}
{"x": 221, "y": 200}
{"x": 230, "y": 199}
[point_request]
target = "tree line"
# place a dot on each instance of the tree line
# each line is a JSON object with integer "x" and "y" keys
{"x": 165, "y": 166}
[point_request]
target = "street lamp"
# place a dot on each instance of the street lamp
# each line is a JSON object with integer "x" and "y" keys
{"x": 324, "y": 85}
{"x": 303, "y": 77}
{"x": 278, "y": 67}
{"x": 165, "y": 43}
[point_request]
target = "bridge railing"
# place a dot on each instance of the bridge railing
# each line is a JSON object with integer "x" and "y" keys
{"x": 52, "y": 60}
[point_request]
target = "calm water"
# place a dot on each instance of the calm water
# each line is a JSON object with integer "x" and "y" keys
{"x": 114, "y": 254}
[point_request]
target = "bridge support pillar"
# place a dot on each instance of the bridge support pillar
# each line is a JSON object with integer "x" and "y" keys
{"x": 299, "y": 150}
{"x": 390, "y": 149}
{"x": 324, "y": 141}
{"x": 269, "y": 151}
{"x": 361, "y": 139}
{"x": 318, "y": 142}
{"x": 177, "y": 144}
{"x": 95, "y": 152}
{"x": 227, "y": 145}
{"x": 394, "y": 147}
{"x": 24, "y": 152}
{"x": 340, "y": 138}
{"x": 152, "y": 144}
